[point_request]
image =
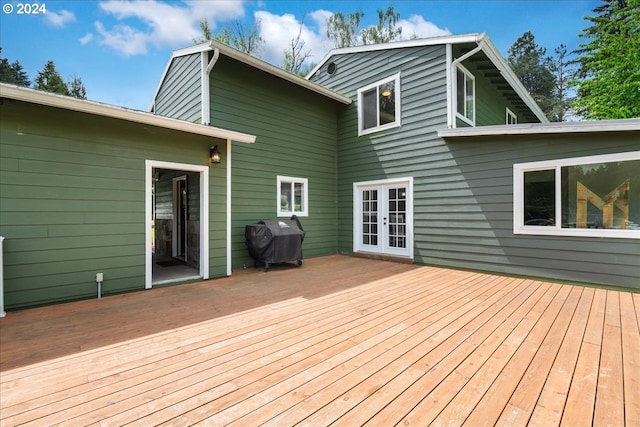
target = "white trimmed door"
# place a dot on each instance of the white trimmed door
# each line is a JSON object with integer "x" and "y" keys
{"x": 383, "y": 217}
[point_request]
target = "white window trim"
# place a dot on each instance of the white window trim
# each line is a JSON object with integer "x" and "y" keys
{"x": 305, "y": 197}
{"x": 512, "y": 115}
{"x": 361, "y": 130}
{"x": 472, "y": 121}
{"x": 518, "y": 197}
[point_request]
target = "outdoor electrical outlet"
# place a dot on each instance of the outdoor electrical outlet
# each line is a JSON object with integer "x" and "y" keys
{"x": 99, "y": 277}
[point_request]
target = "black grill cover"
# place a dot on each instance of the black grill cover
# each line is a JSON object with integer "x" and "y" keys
{"x": 275, "y": 240}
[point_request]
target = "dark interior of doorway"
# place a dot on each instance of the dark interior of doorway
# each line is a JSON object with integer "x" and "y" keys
{"x": 175, "y": 226}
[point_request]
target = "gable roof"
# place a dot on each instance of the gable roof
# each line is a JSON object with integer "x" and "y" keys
{"x": 223, "y": 49}
{"x": 105, "y": 110}
{"x": 480, "y": 40}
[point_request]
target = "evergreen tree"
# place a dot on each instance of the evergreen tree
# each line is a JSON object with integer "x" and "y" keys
{"x": 528, "y": 61}
{"x": 76, "y": 88}
{"x": 608, "y": 77}
{"x": 13, "y": 73}
{"x": 563, "y": 74}
{"x": 49, "y": 80}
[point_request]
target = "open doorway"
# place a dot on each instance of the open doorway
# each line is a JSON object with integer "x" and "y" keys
{"x": 177, "y": 223}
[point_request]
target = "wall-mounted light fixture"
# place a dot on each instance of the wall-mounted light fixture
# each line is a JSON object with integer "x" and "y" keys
{"x": 214, "y": 154}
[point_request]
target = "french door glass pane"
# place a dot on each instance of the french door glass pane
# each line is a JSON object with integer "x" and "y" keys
{"x": 397, "y": 218}
{"x": 370, "y": 217}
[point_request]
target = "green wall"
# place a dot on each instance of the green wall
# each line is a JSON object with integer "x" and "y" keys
{"x": 72, "y": 201}
{"x": 296, "y": 136}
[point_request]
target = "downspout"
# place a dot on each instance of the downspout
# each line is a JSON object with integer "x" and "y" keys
{"x": 206, "y": 119}
{"x": 454, "y": 80}
{"x": 205, "y": 72}
{"x": 229, "y": 266}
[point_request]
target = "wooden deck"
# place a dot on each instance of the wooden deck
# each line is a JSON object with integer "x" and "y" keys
{"x": 342, "y": 341}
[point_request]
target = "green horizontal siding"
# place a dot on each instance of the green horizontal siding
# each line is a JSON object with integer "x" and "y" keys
{"x": 295, "y": 136}
{"x": 72, "y": 200}
{"x": 463, "y": 190}
{"x": 180, "y": 92}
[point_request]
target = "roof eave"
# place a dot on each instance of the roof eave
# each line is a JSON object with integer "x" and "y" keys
{"x": 543, "y": 128}
{"x": 106, "y": 110}
{"x": 492, "y": 53}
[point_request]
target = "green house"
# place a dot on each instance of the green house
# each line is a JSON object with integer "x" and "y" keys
{"x": 426, "y": 151}
{"x": 84, "y": 189}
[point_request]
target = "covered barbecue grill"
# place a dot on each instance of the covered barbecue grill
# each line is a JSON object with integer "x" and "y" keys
{"x": 275, "y": 240}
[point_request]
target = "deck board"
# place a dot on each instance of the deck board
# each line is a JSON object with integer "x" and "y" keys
{"x": 340, "y": 341}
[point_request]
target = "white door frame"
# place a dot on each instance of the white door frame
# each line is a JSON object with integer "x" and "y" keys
{"x": 357, "y": 214}
{"x": 204, "y": 214}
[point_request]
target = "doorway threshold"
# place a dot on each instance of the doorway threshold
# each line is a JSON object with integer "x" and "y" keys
{"x": 170, "y": 270}
{"x": 384, "y": 257}
{"x": 176, "y": 280}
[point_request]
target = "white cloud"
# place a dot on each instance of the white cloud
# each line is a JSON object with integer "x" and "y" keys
{"x": 416, "y": 26}
{"x": 123, "y": 39}
{"x": 86, "y": 39}
{"x": 142, "y": 24}
{"x": 160, "y": 24}
{"x": 279, "y": 30}
{"x": 59, "y": 19}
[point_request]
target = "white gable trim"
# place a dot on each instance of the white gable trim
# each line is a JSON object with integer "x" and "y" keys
{"x": 431, "y": 41}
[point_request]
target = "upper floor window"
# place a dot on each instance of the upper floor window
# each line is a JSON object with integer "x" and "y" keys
{"x": 595, "y": 196}
{"x": 512, "y": 119}
{"x": 379, "y": 106}
{"x": 293, "y": 196}
{"x": 465, "y": 95}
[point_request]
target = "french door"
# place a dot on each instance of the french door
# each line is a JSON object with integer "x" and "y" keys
{"x": 383, "y": 217}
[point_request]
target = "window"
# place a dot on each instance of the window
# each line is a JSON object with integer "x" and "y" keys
{"x": 293, "y": 196}
{"x": 379, "y": 106}
{"x": 465, "y": 95}
{"x": 512, "y": 119}
{"x": 587, "y": 196}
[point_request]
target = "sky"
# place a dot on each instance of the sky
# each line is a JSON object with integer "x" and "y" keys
{"x": 120, "y": 49}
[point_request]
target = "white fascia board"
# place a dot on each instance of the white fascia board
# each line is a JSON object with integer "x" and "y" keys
{"x": 544, "y": 128}
{"x": 431, "y": 41}
{"x": 106, "y": 110}
{"x": 492, "y": 53}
